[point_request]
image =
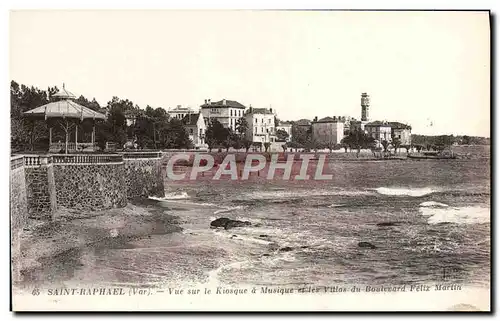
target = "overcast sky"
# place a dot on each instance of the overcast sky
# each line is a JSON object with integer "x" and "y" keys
{"x": 428, "y": 69}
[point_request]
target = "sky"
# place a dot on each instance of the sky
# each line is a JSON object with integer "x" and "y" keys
{"x": 428, "y": 69}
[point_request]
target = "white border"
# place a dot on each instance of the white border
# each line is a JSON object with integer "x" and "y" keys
{"x": 185, "y": 4}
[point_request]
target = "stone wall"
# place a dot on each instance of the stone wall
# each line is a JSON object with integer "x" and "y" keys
{"x": 18, "y": 200}
{"x": 90, "y": 186}
{"x": 144, "y": 178}
{"x": 40, "y": 190}
{"x": 18, "y": 212}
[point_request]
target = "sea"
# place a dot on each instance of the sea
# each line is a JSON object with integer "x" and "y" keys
{"x": 428, "y": 221}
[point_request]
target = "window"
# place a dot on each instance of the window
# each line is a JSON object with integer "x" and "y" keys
{"x": 191, "y": 131}
{"x": 256, "y": 120}
{"x": 231, "y": 111}
{"x": 269, "y": 120}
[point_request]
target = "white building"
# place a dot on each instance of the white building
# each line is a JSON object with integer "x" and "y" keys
{"x": 180, "y": 112}
{"x": 260, "y": 125}
{"x": 196, "y": 128}
{"x": 380, "y": 131}
{"x": 227, "y": 112}
{"x": 286, "y": 127}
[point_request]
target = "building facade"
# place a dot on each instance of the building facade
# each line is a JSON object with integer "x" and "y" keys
{"x": 227, "y": 112}
{"x": 380, "y": 131}
{"x": 329, "y": 130}
{"x": 402, "y": 132}
{"x": 180, "y": 112}
{"x": 261, "y": 127}
{"x": 196, "y": 128}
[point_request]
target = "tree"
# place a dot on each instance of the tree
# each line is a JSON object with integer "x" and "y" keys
{"x": 257, "y": 145}
{"x": 176, "y": 136}
{"x": 385, "y": 144}
{"x": 407, "y": 147}
{"x": 247, "y": 144}
{"x": 396, "y": 143}
{"x": 266, "y": 146}
{"x": 241, "y": 126}
{"x": 216, "y": 134}
{"x": 284, "y": 146}
{"x": 300, "y": 135}
{"x": 282, "y": 135}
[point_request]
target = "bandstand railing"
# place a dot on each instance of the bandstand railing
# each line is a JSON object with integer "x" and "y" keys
{"x": 87, "y": 159}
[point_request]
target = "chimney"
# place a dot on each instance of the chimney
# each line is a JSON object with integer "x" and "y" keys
{"x": 315, "y": 118}
{"x": 209, "y": 102}
{"x": 270, "y": 109}
{"x": 205, "y": 101}
{"x": 334, "y": 117}
{"x": 224, "y": 102}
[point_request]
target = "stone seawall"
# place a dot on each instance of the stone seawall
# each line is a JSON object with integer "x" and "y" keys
{"x": 90, "y": 186}
{"x": 41, "y": 191}
{"x": 18, "y": 198}
{"x": 18, "y": 212}
{"x": 144, "y": 178}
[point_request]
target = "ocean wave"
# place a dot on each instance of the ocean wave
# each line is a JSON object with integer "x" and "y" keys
{"x": 279, "y": 195}
{"x": 433, "y": 204}
{"x": 397, "y": 191}
{"x": 458, "y": 215}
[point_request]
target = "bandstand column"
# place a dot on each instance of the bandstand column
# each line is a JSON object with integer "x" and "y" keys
{"x": 76, "y": 137}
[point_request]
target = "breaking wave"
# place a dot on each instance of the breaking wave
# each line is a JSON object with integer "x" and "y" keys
{"x": 395, "y": 191}
{"x": 433, "y": 204}
{"x": 458, "y": 215}
{"x": 171, "y": 196}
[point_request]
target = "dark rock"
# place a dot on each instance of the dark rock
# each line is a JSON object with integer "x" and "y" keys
{"x": 220, "y": 222}
{"x": 304, "y": 247}
{"x": 236, "y": 223}
{"x": 367, "y": 245}
{"x": 263, "y": 235}
{"x": 266, "y": 254}
{"x": 286, "y": 249}
{"x": 388, "y": 224}
{"x": 228, "y": 223}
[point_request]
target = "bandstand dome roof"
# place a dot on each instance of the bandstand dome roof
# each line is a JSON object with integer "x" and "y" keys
{"x": 64, "y": 107}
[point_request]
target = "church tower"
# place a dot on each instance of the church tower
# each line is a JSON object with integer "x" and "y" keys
{"x": 365, "y": 105}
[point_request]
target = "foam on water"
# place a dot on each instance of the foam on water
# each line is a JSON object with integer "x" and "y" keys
{"x": 284, "y": 194}
{"x": 433, "y": 204}
{"x": 458, "y": 215}
{"x": 171, "y": 196}
{"x": 397, "y": 191}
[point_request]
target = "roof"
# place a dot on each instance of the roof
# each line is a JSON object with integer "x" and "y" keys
{"x": 191, "y": 119}
{"x": 252, "y": 110}
{"x": 303, "y": 122}
{"x": 378, "y": 123}
{"x": 180, "y": 109}
{"x": 398, "y": 125}
{"x": 329, "y": 120}
{"x": 64, "y": 94}
{"x": 220, "y": 104}
{"x": 285, "y": 123}
{"x": 64, "y": 109}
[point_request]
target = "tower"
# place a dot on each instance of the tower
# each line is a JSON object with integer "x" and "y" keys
{"x": 365, "y": 106}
